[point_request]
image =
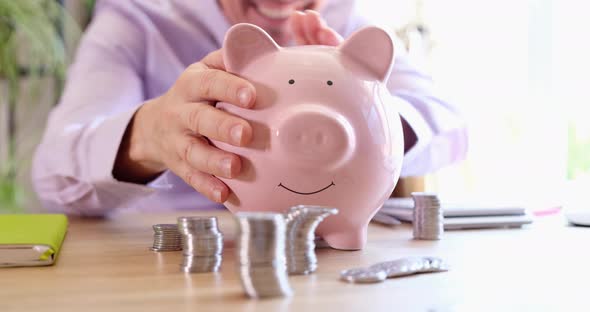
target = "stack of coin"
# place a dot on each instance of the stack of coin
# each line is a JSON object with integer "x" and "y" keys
{"x": 166, "y": 237}
{"x": 261, "y": 254}
{"x": 202, "y": 244}
{"x": 428, "y": 218}
{"x": 302, "y": 222}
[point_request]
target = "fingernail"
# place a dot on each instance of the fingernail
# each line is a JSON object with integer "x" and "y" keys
{"x": 236, "y": 134}
{"x": 244, "y": 96}
{"x": 217, "y": 195}
{"x": 226, "y": 166}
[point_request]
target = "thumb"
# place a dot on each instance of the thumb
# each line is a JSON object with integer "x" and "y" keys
{"x": 214, "y": 60}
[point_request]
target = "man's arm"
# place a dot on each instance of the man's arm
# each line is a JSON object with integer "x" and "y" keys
{"x": 434, "y": 130}
{"x": 73, "y": 164}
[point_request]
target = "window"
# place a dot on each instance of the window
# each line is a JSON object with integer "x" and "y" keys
{"x": 518, "y": 73}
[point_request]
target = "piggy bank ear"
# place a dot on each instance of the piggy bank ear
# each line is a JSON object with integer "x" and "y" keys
{"x": 372, "y": 47}
{"x": 243, "y": 44}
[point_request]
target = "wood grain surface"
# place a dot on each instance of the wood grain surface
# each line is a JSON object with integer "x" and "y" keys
{"x": 106, "y": 265}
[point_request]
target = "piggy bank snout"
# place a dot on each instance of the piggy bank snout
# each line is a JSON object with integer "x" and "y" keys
{"x": 313, "y": 135}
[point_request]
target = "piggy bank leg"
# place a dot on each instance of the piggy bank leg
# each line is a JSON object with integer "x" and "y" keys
{"x": 351, "y": 239}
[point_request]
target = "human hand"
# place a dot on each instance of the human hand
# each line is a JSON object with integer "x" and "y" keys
{"x": 172, "y": 131}
{"x": 310, "y": 29}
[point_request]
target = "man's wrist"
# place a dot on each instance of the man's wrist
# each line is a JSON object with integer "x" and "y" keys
{"x": 139, "y": 149}
{"x": 133, "y": 162}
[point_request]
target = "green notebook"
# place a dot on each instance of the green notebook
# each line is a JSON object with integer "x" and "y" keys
{"x": 31, "y": 239}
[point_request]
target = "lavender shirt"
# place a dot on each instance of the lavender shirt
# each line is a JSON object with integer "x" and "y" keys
{"x": 134, "y": 50}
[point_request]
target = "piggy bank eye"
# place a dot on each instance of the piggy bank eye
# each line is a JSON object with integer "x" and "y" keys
{"x": 291, "y": 81}
{"x": 330, "y": 82}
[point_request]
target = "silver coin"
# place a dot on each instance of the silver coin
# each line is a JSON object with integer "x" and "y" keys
{"x": 363, "y": 275}
{"x": 261, "y": 254}
{"x": 400, "y": 267}
{"x": 165, "y": 226}
{"x": 202, "y": 244}
{"x": 428, "y": 220}
{"x": 435, "y": 265}
{"x": 411, "y": 265}
{"x": 164, "y": 249}
{"x": 302, "y": 221}
{"x": 166, "y": 238}
{"x": 194, "y": 225}
{"x": 200, "y": 264}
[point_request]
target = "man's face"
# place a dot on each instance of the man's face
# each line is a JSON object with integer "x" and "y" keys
{"x": 271, "y": 15}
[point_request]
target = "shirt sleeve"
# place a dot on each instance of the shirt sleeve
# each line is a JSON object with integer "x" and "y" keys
{"x": 438, "y": 128}
{"x": 72, "y": 166}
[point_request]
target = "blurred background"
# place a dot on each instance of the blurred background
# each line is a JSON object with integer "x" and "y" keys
{"x": 516, "y": 68}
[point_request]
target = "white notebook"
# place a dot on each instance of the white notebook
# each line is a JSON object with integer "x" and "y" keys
{"x": 464, "y": 215}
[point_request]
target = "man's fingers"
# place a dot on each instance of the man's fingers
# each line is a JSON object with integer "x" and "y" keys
{"x": 200, "y": 155}
{"x": 297, "y": 27}
{"x": 198, "y": 84}
{"x": 204, "y": 183}
{"x": 311, "y": 26}
{"x": 214, "y": 60}
{"x": 215, "y": 124}
{"x": 328, "y": 36}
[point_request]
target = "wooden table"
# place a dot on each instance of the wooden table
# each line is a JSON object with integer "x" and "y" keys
{"x": 105, "y": 265}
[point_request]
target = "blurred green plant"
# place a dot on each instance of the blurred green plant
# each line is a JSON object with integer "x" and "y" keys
{"x": 31, "y": 47}
{"x": 90, "y": 5}
{"x": 578, "y": 153}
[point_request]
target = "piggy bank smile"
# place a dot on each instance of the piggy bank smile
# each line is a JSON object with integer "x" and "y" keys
{"x": 322, "y": 118}
{"x": 307, "y": 193}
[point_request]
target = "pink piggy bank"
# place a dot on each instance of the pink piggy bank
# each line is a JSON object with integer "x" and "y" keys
{"x": 325, "y": 131}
